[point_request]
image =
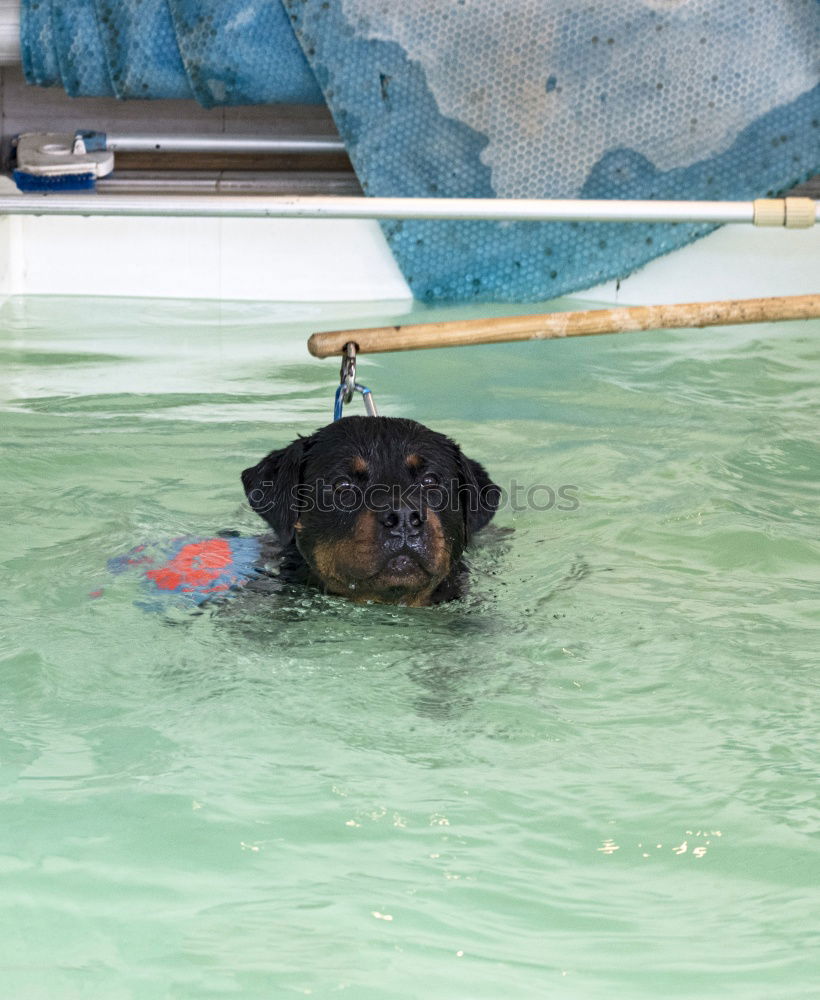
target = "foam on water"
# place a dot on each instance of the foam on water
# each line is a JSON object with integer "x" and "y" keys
{"x": 595, "y": 776}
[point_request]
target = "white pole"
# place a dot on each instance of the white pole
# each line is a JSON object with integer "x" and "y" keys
{"x": 488, "y": 209}
{"x": 129, "y": 142}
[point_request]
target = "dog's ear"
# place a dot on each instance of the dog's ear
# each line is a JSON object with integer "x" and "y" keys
{"x": 478, "y": 494}
{"x": 271, "y": 487}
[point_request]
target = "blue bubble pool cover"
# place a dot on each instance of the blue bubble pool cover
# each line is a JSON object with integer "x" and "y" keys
{"x": 679, "y": 99}
{"x": 217, "y": 51}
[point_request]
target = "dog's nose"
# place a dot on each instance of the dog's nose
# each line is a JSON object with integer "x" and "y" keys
{"x": 402, "y": 522}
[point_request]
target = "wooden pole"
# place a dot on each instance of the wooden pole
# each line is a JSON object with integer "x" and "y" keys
{"x": 458, "y": 333}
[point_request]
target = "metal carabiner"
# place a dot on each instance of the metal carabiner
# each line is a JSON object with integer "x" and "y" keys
{"x": 347, "y": 373}
{"x": 348, "y": 385}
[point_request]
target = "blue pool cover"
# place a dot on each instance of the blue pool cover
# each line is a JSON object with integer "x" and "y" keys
{"x": 680, "y": 99}
{"x": 217, "y": 51}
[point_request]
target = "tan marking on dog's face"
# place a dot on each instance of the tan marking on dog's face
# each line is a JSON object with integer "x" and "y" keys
{"x": 353, "y": 566}
{"x": 359, "y": 465}
{"x": 414, "y": 462}
{"x": 343, "y": 560}
{"x": 438, "y": 547}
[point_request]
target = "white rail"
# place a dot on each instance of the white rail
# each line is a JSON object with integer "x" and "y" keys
{"x": 791, "y": 212}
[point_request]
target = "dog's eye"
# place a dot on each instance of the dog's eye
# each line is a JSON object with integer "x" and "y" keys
{"x": 342, "y": 484}
{"x": 430, "y": 479}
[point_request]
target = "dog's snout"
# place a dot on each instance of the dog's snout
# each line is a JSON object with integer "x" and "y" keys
{"x": 402, "y": 522}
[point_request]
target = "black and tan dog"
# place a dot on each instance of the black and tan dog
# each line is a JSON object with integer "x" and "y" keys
{"x": 374, "y": 508}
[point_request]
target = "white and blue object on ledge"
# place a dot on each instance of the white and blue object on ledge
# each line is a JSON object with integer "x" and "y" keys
{"x": 74, "y": 161}
{"x": 59, "y": 161}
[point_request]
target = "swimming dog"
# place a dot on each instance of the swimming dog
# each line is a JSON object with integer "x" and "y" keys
{"x": 374, "y": 509}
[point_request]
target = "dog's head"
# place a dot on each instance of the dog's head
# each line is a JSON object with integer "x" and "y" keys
{"x": 379, "y": 508}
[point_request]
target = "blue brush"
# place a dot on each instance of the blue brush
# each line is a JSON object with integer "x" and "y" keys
{"x": 56, "y": 182}
{"x": 61, "y": 161}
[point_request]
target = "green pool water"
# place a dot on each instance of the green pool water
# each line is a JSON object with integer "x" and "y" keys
{"x": 595, "y": 777}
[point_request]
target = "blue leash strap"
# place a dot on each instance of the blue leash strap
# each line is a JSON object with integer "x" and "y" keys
{"x": 339, "y": 402}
